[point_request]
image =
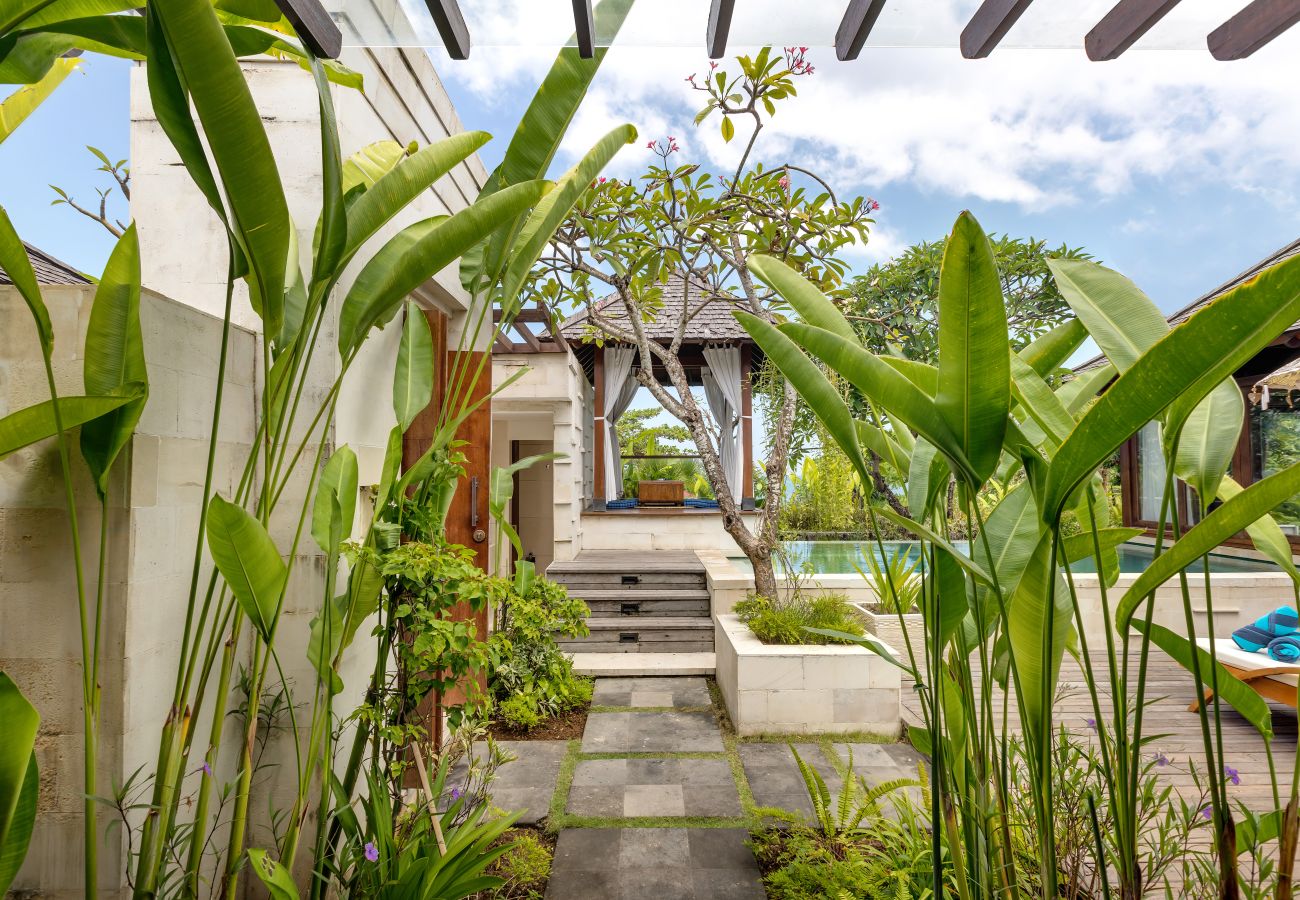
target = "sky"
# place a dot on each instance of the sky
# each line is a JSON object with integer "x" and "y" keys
{"x": 1172, "y": 168}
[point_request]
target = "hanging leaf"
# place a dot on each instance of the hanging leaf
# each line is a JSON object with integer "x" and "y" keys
{"x": 503, "y": 489}
{"x": 413, "y": 378}
{"x": 18, "y": 778}
{"x": 247, "y": 559}
{"x": 27, "y": 99}
{"x": 1265, "y": 533}
{"x": 1049, "y": 351}
{"x": 275, "y": 877}
{"x": 36, "y": 423}
{"x": 16, "y": 264}
{"x": 1209, "y": 440}
{"x": 115, "y": 358}
{"x": 336, "y": 501}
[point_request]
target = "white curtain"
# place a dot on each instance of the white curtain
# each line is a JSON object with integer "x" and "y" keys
{"x": 620, "y": 388}
{"x": 1151, "y": 472}
{"x": 722, "y": 390}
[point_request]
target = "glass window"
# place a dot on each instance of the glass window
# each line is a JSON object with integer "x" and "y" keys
{"x": 1275, "y": 434}
{"x": 1151, "y": 472}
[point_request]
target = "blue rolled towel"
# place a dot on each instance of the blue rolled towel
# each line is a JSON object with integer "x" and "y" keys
{"x": 1285, "y": 649}
{"x": 1280, "y": 622}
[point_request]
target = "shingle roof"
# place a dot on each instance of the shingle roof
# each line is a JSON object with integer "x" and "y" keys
{"x": 48, "y": 269}
{"x": 711, "y": 319}
{"x": 1182, "y": 315}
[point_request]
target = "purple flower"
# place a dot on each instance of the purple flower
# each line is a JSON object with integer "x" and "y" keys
{"x": 1091, "y": 723}
{"x": 455, "y": 794}
{"x": 1162, "y": 760}
{"x": 1205, "y": 813}
{"x": 372, "y": 852}
{"x": 1232, "y": 775}
{"x": 207, "y": 769}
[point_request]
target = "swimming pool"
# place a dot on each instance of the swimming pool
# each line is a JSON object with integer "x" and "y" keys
{"x": 846, "y": 557}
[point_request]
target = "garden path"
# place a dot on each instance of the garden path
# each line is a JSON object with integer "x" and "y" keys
{"x": 657, "y": 798}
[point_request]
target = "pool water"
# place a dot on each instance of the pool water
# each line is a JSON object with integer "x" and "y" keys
{"x": 846, "y": 557}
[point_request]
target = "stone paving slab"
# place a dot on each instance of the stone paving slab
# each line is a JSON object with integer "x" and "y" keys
{"x": 652, "y": 732}
{"x": 525, "y": 784}
{"x": 654, "y": 864}
{"x": 774, "y": 777}
{"x": 674, "y": 692}
{"x": 654, "y": 787}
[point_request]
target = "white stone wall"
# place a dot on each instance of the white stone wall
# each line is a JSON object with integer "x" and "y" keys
{"x": 153, "y": 529}
{"x": 809, "y": 689}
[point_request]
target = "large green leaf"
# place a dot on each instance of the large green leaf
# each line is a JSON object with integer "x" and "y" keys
{"x": 1231, "y": 689}
{"x": 29, "y": 14}
{"x": 419, "y": 252}
{"x": 502, "y": 490}
{"x": 1119, "y": 317}
{"x": 336, "y": 501}
{"x": 413, "y": 378}
{"x": 1265, "y": 533}
{"x": 38, "y": 422}
{"x": 812, "y": 385}
{"x": 886, "y": 387}
{"x": 1011, "y": 532}
{"x": 884, "y": 446}
{"x": 950, "y": 588}
{"x": 1180, "y": 368}
{"x": 1048, "y": 352}
{"x": 812, "y": 305}
{"x": 1043, "y": 406}
{"x": 17, "y": 776}
{"x": 398, "y": 179}
{"x": 1233, "y": 515}
{"x": 238, "y": 144}
{"x": 28, "y": 98}
{"x": 1037, "y": 654}
{"x": 1078, "y": 392}
{"x": 555, "y": 207}
{"x": 332, "y": 234}
{"x": 247, "y": 559}
{"x": 114, "y": 358}
{"x": 17, "y": 265}
{"x": 927, "y": 478}
{"x": 974, "y": 393}
{"x": 538, "y": 136}
{"x": 1084, "y": 546}
{"x": 1209, "y": 440}
{"x": 928, "y": 534}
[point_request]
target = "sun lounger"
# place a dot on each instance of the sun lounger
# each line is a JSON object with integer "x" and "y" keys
{"x": 1270, "y": 679}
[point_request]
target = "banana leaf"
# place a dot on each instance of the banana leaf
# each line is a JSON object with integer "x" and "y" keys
{"x": 18, "y": 778}
{"x": 413, "y": 378}
{"x": 1049, "y": 351}
{"x": 336, "y": 501}
{"x": 37, "y": 422}
{"x": 249, "y": 562}
{"x": 27, "y": 99}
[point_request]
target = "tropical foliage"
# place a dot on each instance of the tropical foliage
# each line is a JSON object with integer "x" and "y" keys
{"x": 190, "y": 832}
{"x": 985, "y": 414}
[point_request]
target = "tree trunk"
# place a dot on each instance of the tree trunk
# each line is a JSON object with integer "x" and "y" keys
{"x": 764, "y": 577}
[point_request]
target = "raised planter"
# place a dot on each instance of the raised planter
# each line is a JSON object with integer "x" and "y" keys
{"x": 804, "y": 689}
{"x": 887, "y": 628}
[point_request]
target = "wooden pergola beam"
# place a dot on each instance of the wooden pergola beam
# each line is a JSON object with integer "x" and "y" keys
{"x": 1120, "y": 28}
{"x": 314, "y": 27}
{"x": 719, "y": 27}
{"x": 989, "y": 26}
{"x": 1252, "y": 28}
{"x": 855, "y": 27}
{"x": 584, "y": 28}
{"x": 451, "y": 27}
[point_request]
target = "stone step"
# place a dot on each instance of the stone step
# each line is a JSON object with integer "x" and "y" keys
{"x": 627, "y": 580}
{"x": 642, "y": 664}
{"x": 632, "y": 604}
{"x": 645, "y": 634}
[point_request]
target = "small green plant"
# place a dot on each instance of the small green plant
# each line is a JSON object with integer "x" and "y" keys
{"x": 788, "y": 621}
{"x": 524, "y": 869}
{"x": 520, "y": 712}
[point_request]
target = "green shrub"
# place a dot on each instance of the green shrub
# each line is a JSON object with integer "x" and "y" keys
{"x": 524, "y": 868}
{"x": 520, "y": 712}
{"x": 787, "y": 621}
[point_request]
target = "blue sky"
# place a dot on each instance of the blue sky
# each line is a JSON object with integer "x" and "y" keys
{"x": 1176, "y": 170}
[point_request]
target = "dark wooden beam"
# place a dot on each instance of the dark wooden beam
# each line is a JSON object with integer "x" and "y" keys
{"x": 989, "y": 26}
{"x": 584, "y": 28}
{"x": 1123, "y": 25}
{"x": 856, "y": 26}
{"x": 529, "y": 338}
{"x": 315, "y": 28}
{"x": 1252, "y": 28}
{"x": 719, "y": 26}
{"x": 451, "y": 27}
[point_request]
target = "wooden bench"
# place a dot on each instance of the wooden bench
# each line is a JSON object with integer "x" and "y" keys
{"x": 1269, "y": 678}
{"x": 660, "y": 493}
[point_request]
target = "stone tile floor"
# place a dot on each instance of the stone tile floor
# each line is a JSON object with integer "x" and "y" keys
{"x": 656, "y": 755}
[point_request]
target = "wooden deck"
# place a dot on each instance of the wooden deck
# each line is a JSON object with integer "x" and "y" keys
{"x": 1170, "y": 687}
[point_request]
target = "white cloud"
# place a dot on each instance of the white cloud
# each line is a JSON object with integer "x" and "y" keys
{"x": 1039, "y": 129}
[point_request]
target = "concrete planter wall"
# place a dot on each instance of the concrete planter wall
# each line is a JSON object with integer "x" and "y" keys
{"x": 772, "y": 689}
{"x": 886, "y": 627}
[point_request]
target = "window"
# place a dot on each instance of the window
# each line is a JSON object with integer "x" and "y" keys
{"x": 1275, "y": 442}
{"x": 1151, "y": 472}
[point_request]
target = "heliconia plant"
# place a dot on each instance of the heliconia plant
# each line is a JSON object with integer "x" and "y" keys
{"x": 234, "y": 606}
{"x": 1024, "y": 448}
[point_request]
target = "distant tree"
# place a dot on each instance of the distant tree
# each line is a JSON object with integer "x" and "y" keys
{"x": 121, "y": 175}
{"x": 895, "y": 305}
{"x": 636, "y": 435}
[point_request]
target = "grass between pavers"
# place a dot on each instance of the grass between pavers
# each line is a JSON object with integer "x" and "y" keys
{"x": 655, "y": 754}
{"x": 572, "y": 821}
{"x": 816, "y": 737}
{"x": 563, "y": 782}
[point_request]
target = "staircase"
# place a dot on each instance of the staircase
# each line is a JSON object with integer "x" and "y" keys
{"x": 651, "y": 602}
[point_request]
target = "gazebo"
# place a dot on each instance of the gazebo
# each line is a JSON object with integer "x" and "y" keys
{"x": 715, "y": 353}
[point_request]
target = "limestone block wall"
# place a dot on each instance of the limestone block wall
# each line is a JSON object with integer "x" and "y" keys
{"x": 807, "y": 689}
{"x": 153, "y": 527}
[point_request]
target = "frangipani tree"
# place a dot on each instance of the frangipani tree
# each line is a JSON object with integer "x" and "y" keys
{"x": 1008, "y": 608}
{"x": 629, "y": 238}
